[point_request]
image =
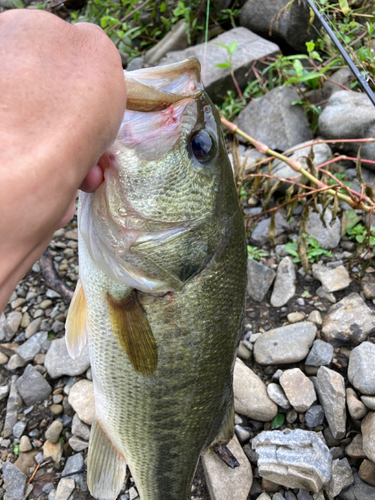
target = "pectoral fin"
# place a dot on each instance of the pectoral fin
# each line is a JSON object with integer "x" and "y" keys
{"x": 106, "y": 467}
{"x": 133, "y": 333}
{"x": 75, "y": 327}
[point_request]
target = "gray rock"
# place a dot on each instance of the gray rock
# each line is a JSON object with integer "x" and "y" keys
{"x": 16, "y": 361}
{"x": 58, "y": 362}
{"x": 259, "y": 279}
{"x": 314, "y": 416}
{"x": 259, "y": 236}
{"x": 367, "y": 472}
{"x": 322, "y": 294}
{"x": 368, "y": 436}
{"x": 11, "y": 325}
{"x": 291, "y": 25}
{"x": 369, "y": 402}
{"x": 224, "y": 482}
{"x": 218, "y": 81}
{"x": 296, "y": 317}
{"x": 328, "y": 235}
{"x": 277, "y": 395}
{"x": 32, "y": 386}
{"x": 342, "y": 477}
{"x": 176, "y": 39}
{"x": 331, "y": 279}
{"x": 32, "y": 346}
{"x": 358, "y": 491}
{"x": 348, "y": 322}
{"x": 295, "y": 459}
{"x": 356, "y": 408}
{"x": 250, "y": 395}
{"x": 330, "y": 387}
{"x": 304, "y": 495}
{"x": 73, "y": 464}
{"x": 361, "y": 368}
{"x": 33, "y": 327}
{"x": 51, "y": 294}
{"x": 322, "y": 153}
{"x": 4, "y": 391}
{"x": 298, "y": 389}
{"x": 2, "y": 325}
{"x": 18, "y": 429}
{"x": 321, "y": 354}
{"x": 333, "y": 122}
{"x": 136, "y": 63}
{"x": 58, "y": 326}
{"x": 64, "y": 489}
{"x": 287, "y": 344}
{"x": 14, "y": 404}
{"x": 279, "y": 124}
{"x": 284, "y": 287}
{"x": 355, "y": 448}
{"x": 315, "y": 317}
{"x": 81, "y": 398}
{"x": 80, "y": 429}
{"x": 78, "y": 444}
{"x": 14, "y": 482}
{"x": 53, "y": 432}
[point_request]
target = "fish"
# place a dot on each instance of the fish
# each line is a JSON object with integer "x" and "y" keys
{"x": 160, "y": 296}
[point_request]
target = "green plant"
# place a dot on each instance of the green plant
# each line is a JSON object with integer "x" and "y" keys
{"x": 314, "y": 251}
{"x": 278, "y": 421}
{"x": 231, "y": 49}
{"x": 255, "y": 253}
{"x": 16, "y": 448}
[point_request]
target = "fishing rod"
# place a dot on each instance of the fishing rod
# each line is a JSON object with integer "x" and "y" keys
{"x": 361, "y": 79}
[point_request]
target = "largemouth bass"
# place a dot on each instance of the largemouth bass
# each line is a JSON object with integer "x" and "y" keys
{"x": 162, "y": 259}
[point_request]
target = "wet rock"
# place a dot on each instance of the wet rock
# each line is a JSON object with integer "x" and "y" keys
{"x": 64, "y": 489}
{"x": 284, "y": 287}
{"x": 322, "y": 153}
{"x": 53, "y": 450}
{"x": 368, "y": 436}
{"x": 277, "y": 395}
{"x": 80, "y": 429}
{"x": 218, "y": 81}
{"x": 314, "y": 416}
{"x": 14, "y": 482}
{"x": 349, "y": 321}
{"x": 53, "y": 432}
{"x": 58, "y": 362}
{"x": 358, "y": 491}
{"x": 33, "y": 327}
{"x": 287, "y": 344}
{"x": 14, "y": 405}
{"x": 361, "y": 368}
{"x": 32, "y": 346}
{"x": 328, "y": 235}
{"x": 259, "y": 279}
{"x": 295, "y": 459}
{"x": 250, "y": 395}
{"x": 273, "y": 18}
{"x": 280, "y": 134}
{"x": 332, "y": 280}
{"x": 221, "y": 479}
{"x": 321, "y": 354}
{"x": 298, "y": 389}
{"x": 330, "y": 387}
{"x": 355, "y": 448}
{"x": 32, "y": 386}
{"x": 259, "y": 235}
{"x": 81, "y": 398}
{"x": 342, "y": 477}
{"x": 367, "y": 472}
{"x": 369, "y": 402}
{"x": 356, "y": 408}
{"x": 176, "y": 39}
{"x": 334, "y": 125}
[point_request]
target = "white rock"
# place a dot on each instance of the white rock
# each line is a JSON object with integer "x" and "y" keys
{"x": 81, "y": 398}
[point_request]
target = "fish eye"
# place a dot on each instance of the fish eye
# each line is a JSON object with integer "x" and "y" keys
{"x": 201, "y": 144}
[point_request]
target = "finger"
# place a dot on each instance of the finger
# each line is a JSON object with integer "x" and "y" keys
{"x": 92, "y": 180}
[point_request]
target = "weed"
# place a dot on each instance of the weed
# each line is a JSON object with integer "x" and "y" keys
{"x": 255, "y": 253}
{"x": 16, "y": 448}
{"x": 314, "y": 251}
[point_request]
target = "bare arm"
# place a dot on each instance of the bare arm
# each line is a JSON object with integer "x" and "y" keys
{"x": 62, "y": 97}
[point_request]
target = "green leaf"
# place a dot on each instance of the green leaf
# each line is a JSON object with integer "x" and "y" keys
{"x": 297, "y": 65}
{"x": 310, "y": 76}
{"x": 232, "y": 47}
{"x": 163, "y": 7}
{"x": 345, "y": 9}
{"x": 310, "y": 46}
{"x": 226, "y": 65}
{"x": 278, "y": 421}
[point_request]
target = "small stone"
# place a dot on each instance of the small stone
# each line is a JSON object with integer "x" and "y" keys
{"x": 12, "y": 324}
{"x": 368, "y": 436}
{"x": 356, "y": 408}
{"x": 57, "y": 399}
{"x": 328, "y": 234}
{"x": 341, "y": 478}
{"x": 53, "y": 451}
{"x": 32, "y": 346}
{"x": 323, "y": 294}
{"x": 277, "y": 395}
{"x": 259, "y": 279}
{"x": 287, "y": 344}
{"x": 14, "y": 482}
{"x": 33, "y": 327}
{"x": 26, "y": 461}
{"x": 330, "y": 387}
{"x": 81, "y": 398}
{"x": 332, "y": 280}
{"x": 3, "y": 359}
{"x": 57, "y": 409}
{"x": 4, "y": 391}
{"x": 361, "y": 368}
{"x": 53, "y": 432}
{"x": 51, "y": 294}
{"x": 284, "y": 287}
{"x": 221, "y": 478}
{"x": 58, "y": 361}
{"x": 243, "y": 352}
{"x": 369, "y": 401}
{"x": 291, "y": 416}
{"x": 78, "y": 444}
{"x": 25, "y": 320}
{"x": 64, "y": 489}
{"x": 25, "y": 444}
{"x": 355, "y": 448}
{"x": 298, "y": 389}
{"x": 14, "y": 404}
{"x": 250, "y": 395}
{"x": 16, "y": 361}
{"x": 321, "y": 354}
{"x": 367, "y": 471}
{"x": 80, "y": 429}
{"x": 314, "y": 416}
{"x": 358, "y": 490}
{"x": 18, "y": 429}
{"x": 74, "y": 464}
{"x": 38, "y": 313}
{"x": 133, "y": 493}
{"x": 32, "y": 386}
{"x": 58, "y": 326}
{"x": 315, "y": 317}
{"x": 45, "y": 303}
{"x": 295, "y": 317}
